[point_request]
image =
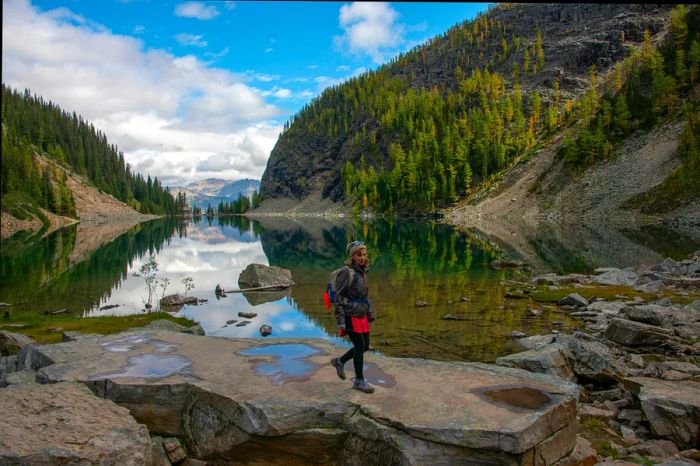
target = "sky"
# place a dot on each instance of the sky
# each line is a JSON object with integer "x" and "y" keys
{"x": 194, "y": 90}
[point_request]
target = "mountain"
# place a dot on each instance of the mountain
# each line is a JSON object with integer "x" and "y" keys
{"x": 57, "y": 167}
{"x": 213, "y": 190}
{"x": 450, "y": 116}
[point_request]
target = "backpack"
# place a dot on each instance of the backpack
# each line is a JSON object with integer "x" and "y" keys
{"x": 332, "y": 287}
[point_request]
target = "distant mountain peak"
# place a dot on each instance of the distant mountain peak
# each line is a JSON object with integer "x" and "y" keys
{"x": 215, "y": 190}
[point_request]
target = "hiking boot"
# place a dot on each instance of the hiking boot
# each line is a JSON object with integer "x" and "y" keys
{"x": 363, "y": 386}
{"x": 339, "y": 367}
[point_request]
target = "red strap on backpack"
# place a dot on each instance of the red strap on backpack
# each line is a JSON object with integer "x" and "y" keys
{"x": 327, "y": 299}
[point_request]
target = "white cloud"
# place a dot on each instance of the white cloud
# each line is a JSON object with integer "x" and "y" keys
{"x": 269, "y": 49}
{"x": 342, "y": 68}
{"x": 139, "y": 29}
{"x": 215, "y": 55}
{"x": 229, "y": 5}
{"x": 252, "y": 75}
{"x": 190, "y": 39}
{"x": 196, "y": 10}
{"x": 166, "y": 112}
{"x": 370, "y": 28}
{"x": 282, "y": 93}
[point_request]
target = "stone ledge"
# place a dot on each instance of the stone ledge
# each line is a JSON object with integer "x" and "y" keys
{"x": 220, "y": 394}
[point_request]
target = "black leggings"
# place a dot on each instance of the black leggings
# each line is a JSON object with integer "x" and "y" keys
{"x": 360, "y": 344}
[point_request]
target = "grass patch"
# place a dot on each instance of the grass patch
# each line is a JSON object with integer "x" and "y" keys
{"x": 44, "y": 329}
{"x": 544, "y": 294}
{"x": 608, "y": 292}
{"x": 599, "y": 434}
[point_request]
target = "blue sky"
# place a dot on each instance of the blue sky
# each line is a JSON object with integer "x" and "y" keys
{"x": 191, "y": 90}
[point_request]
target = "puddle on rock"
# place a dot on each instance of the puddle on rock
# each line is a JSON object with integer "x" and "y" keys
{"x": 124, "y": 344}
{"x": 129, "y": 342}
{"x": 374, "y": 375}
{"x": 151, "y": 366}
{"x": 519, "y": 397}
{"x": 290, "y": 364}
{"x": 162, "y": 347}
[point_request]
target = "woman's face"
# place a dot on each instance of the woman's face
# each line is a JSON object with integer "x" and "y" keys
{"x": 360, "y": 257}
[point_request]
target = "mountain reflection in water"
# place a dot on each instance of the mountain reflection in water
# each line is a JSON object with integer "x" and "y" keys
{"x": 411, "y": 260}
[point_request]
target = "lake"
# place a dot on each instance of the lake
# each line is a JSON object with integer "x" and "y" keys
{"x": 411, "y": 260}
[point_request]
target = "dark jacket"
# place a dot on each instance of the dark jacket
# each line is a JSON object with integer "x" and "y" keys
{"x": 351, "y": 297}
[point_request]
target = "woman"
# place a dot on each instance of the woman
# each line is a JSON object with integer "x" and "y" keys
{"x": 353, "y": 312}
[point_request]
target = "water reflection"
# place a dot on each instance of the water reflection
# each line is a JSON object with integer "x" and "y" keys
{"x": 410, "y": 261}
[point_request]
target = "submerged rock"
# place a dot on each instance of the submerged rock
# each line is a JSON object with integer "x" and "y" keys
{"x": 177, "y": 300}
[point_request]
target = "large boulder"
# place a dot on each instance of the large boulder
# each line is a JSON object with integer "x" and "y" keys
{"x": 610, "y": 308}
{"x": 574, "y": 299}
{"x": 630, "y": 333}
{"x": 12, "y": 343}
{"x": 534, "y": 341}
{"x": 259, "y": 275}
{"x": 672, "y": 408}
{"x": 591, "y": 360}
{"x": 646, "y": 314}
{"x": 617, "y": 277}
{"x": 670, "y": 266}
{"x": 550, "y": 359}
{"x": 66, "y": 424}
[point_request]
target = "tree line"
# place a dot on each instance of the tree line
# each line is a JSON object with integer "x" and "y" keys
{"x": 31, "y": 125}
{"x": 238, "y": 206}
{"x": 644, "y": 87}
{"x": 415, "y": 146}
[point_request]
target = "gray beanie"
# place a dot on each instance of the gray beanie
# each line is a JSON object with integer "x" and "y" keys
{"x": 353, "y": 247}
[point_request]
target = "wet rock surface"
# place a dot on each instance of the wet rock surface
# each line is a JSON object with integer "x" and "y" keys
{"x": 219, "y": 407}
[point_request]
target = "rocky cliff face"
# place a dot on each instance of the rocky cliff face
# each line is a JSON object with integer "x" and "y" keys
{"x": 574, "y": 37}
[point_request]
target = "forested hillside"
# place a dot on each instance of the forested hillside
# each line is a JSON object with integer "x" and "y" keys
{"x": 452, "y": 114}
{"x": 31, "y": 125}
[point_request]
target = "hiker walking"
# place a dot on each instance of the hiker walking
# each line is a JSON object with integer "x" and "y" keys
{"x": 353, "y": 311}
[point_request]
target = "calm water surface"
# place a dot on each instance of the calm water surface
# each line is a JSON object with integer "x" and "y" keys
{"x": 410, "y": 261}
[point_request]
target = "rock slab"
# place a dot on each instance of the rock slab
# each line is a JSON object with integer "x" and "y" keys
{"x": 672, "y": 408}
{"x": 256, "y": 396}
{"x": 66, "y": 424}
